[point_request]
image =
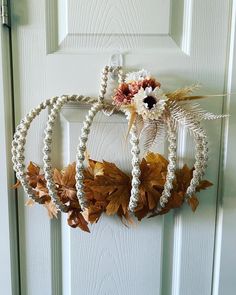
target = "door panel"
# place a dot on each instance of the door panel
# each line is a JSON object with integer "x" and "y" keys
{"x": 60, "y": 47}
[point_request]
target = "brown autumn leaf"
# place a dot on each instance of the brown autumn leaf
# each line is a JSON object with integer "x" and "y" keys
{"x": 76, "y": 219}
{"x": 153, "y": 174}
{"x": 65, "y": 181}
{"x": 118, "y": 188}
{"x": 149, "y": 195}
{"x": 204, "y": 184}
{"x": 193, "y": 203}
{"x": 95, "y": 210}
{"x": 176, "y": 200}
{"x": 108, "y": 190}
{"x": 52, "y": 209}
{"x": 29, "y": 202}
{"x": 96, "y": 199}
{"x": 157, "y": 158}
{"x": 90, "y": 173}
{"x": 183, "y": 178}
{"x": 17, "y": 184}
{"x": 41, "y": 192}
{"x": 33, "y": 175}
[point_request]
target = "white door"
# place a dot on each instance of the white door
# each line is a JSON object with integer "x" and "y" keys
{"x": 60, "y": 47}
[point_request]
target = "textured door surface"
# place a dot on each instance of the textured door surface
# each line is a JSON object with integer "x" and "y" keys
{"x": 60, "y": 47}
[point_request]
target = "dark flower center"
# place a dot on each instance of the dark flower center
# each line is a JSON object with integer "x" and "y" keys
{"x": 150, "y": 101}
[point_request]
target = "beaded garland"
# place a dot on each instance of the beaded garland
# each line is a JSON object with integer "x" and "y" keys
{"x": 147, "y": 108}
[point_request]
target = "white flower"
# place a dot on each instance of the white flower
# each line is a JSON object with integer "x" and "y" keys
{"x": 137, "y": 76}
{"x": 150, "y": 103}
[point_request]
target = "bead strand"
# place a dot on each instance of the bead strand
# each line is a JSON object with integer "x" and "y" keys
{"x": 121, "y": 77}
{"x": 201, "y": 157}
{"x": 79, "y": 176}
{"x": 135, "y": 151}
{"x": 171, "y": 168}
{"x": 19, "y": 140}
{"x": 18, "y": 146}
{"x": 47, "y": 167}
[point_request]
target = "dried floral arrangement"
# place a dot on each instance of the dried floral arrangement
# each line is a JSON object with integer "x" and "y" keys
{"x": 155, "y": 185}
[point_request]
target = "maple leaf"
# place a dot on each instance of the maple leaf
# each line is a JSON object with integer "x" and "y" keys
{"x": 33, "y": 175}
{"x": 157, "y": 158}
{"x": 76, "y": 219}
{"x": 65, "y": 181}
{"x": 176, "y": 200}
{"x": 119, "y": 187}
{"x": 152, "y": 179}
{"x": 93, "y": 170}
{"x": 41, "y": 192}
{"x": 107, "y": 189}
{"x": 52, "y": 209}
{"x": 110, "y": 186}
{"x": 183, "y": 178}
{"x": 95, "y": 210}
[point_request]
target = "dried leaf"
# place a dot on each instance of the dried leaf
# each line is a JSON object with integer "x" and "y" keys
{"x": 157, "y": 158}
{"x": 68, "y": 175}
{"x": 57, "y": 177}
{"x": 193, "y": 203}
{"x": 76, "y": 219}
{"x": 33, "y": 175}
{"x": 52, "y": 209}
{"x": 41, "y": 192}
{"x": 29, "y": 202}
{"x": 131, "y": 109}
{"x": 139, "y": 124}
{"x": 182, "y": 93}
{"x": 107, "y": 189}
{"x": 95, "y": 211}
{"x": 152, "y": 182}
{"x": 16, "y": 185}
{"x": 204, "y": 184}
{"x": 119, "y": 192}
{"x": 65, "y": 181}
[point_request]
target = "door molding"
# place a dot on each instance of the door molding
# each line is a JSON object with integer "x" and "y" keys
{"x": 224, "y": 275}
{"x": 9, "y": 266}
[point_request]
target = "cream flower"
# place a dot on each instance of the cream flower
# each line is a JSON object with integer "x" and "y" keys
{"x": 150, "y": 103}
{"x": 137, "y": 76}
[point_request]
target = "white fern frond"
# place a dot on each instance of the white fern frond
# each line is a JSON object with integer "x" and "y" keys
{"x": 152, "y": 133}
{"x": 139, "y": 124}
{"x": 181, "y": 116}
{"x": 200, "y": 113}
